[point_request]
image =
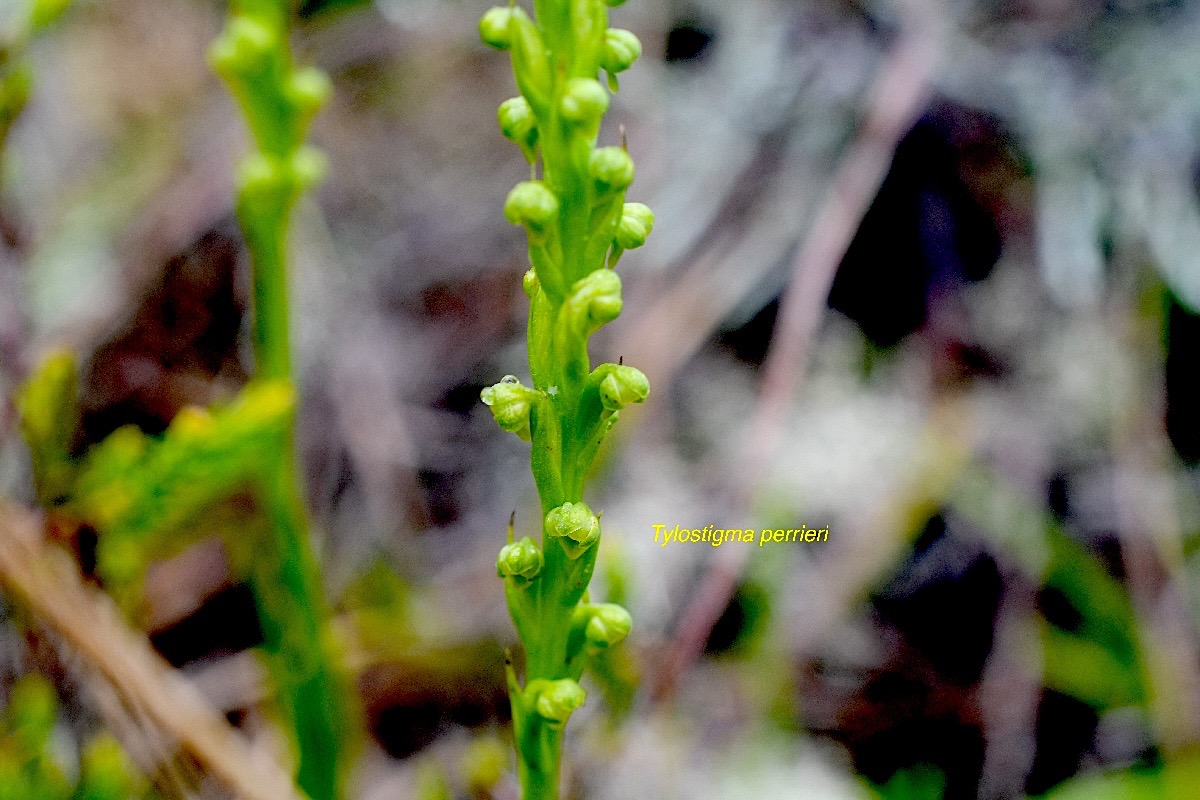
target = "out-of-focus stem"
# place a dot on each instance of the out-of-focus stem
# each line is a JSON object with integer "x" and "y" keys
{"x": 277, "y": 100}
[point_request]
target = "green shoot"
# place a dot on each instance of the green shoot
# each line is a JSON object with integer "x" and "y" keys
{"x": 279, "y": 101}
{"x": 578, "y": 225}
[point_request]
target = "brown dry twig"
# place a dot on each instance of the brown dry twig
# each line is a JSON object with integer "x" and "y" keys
{"x": 42, "y": 581}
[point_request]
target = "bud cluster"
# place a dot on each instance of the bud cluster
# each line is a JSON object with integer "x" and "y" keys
{"x": 558, "y": 116}
{"x": 279, "y": 102}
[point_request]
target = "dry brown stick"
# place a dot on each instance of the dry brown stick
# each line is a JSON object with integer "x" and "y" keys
{"x": 1009, "y": 693}
{"x": 720, "y": 277}
{"x": 894, "y": 101}
{"x": 41, "y": 580}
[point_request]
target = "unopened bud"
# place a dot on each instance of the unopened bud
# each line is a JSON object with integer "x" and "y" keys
{"x": 609, "y": 625}
{"x": 308, "y": 89}
{"x": 585, "y": 101}
{"x": 556, "y": 700}
{"x": 307, "y": 167}
{"x": 242, "y": 49}
{"x": 46, "y": 12}
{"x": 510, "y": 402}
{"x": 268, "y": 185}
{"x": 32, "y": 711}
{"x": 520, "y": 559}
{"x": 518, "y": 124}
{"x": 493, "y": 28}
{"x": 637, "y": 220}
{"x": 621, "y": 49}
{"x": 261, "y": 182}
{"x": 611, "y": 169}
{"x": 105, "y": 770}
{"x": 14, "y": 90}
{"x": 595, "y": 300}
{"x": 485, "y": 764}
{"x": 192, "y": 423}
{"x": 623, "y": 386}
{"x": 575, "y": 526}
{"x": 532, "y": 204}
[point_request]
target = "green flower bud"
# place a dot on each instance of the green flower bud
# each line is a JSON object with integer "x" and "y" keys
{"x": 595, "y": 300}
{"x": 307, "y": 167}
{"x": 611, "y": 169}
{"x": 243, "y": 49}
{"x": 585, "y": 101}
{"x": 120, "y": 561}
{"x": 12, "y": 774}
{"x": 267, "y": 405}
{"x": 609, "y": 625}
{"x": 575, "y": 526}
{"x": 268, "y": 185}
{"x": 511, "y": 403}
{"x": 621, "y": 49}
{"x": 532, "y": 204}
{"x": 261, "y": 183}
{"x": 192, "y": 424}
{"x": 493, "y": 28}
{"x": 556, "y": 700}
{"x": 49, "y": 413}
{"x": 623, "y": 386}
{"x": 530, "y": 284}
{"x": 519, "y": 125}
{"x": 520, "y": 559}
{"x": 307, "y": 90}
{"x": 637, "y": 220}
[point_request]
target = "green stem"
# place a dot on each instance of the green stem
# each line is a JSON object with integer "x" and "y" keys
{"x": 267, "y": 242}
{"x": 277, "y": 102}
{"x": 572, "y": 219}
{"x": 540, "y": 764}
{"x": 290, "y": 598}
{"x": 295, "y": 631}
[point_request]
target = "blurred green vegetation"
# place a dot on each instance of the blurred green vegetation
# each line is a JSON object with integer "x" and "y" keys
{"x": 31, "y": 765}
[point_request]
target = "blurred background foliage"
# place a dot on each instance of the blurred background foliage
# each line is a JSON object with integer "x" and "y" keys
{"x": 997, "y": 421}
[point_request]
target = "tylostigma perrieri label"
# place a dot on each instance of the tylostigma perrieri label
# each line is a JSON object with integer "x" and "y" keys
{"x": 714, "y": 536}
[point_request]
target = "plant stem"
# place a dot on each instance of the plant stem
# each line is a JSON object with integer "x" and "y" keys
{"x": 539, "y": 763}
{"x": 291, "y": 608}
{"x": 578, "y": 224}
{"x": 290, "y": 597}
{"x": 278, "y": 101}
{"x": 272, "y": 340}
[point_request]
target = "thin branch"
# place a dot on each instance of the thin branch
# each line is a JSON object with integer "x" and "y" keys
{"x": 894, "y": 102}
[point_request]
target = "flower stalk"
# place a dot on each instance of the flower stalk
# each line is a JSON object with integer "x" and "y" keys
{"x": 578, "y": 225}
{"x": 279, "y": 101}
